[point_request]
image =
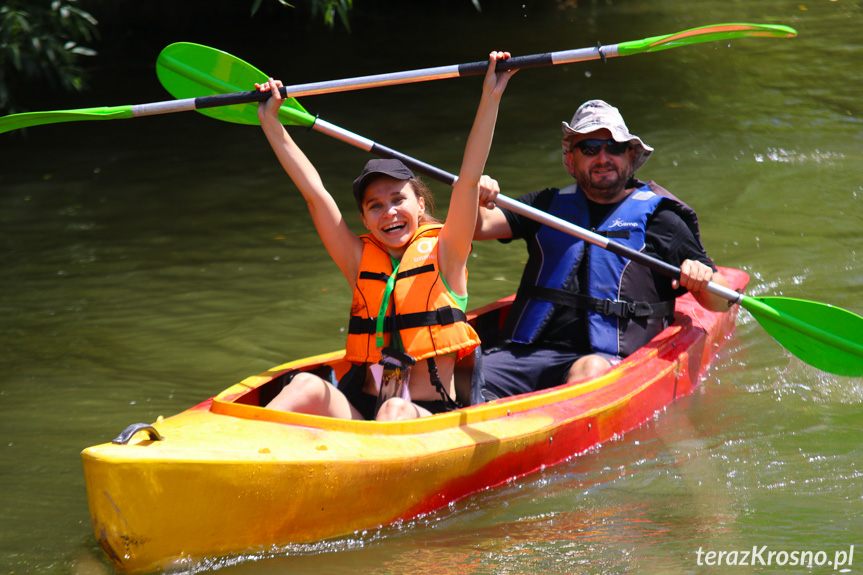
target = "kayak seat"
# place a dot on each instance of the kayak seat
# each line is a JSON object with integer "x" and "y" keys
{"x": 488, "y": 326}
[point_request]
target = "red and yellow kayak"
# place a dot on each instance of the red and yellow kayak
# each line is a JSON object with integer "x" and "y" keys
{"x": 228, "y": 476}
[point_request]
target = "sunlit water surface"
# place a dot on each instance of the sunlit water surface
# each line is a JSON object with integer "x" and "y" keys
{"x": 149, "y": 264}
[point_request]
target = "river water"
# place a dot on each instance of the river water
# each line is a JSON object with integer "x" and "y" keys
{"x": 149, "y": 264}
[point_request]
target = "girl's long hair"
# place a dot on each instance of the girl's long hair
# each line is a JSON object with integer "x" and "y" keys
{"x": 422, "y": 190}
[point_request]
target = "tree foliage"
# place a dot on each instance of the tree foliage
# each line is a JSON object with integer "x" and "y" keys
{"x": 330, "y": 8}
{"x": 40, "y": 45}
{"x": 42, "y": 42}
{"x": 326, "y": 9}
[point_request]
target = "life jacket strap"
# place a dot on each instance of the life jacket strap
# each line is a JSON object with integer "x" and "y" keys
{"x": 435, "y": 379}
{"x": 617, "y": 308}
{"x": 384, "y": 277}
{"x": 379, "y": 276}
{"x": 442, "y": 316}
{"x": 613, "y": 234}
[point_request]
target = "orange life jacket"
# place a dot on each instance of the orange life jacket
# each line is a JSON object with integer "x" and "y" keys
{"x": 427, "y": 317}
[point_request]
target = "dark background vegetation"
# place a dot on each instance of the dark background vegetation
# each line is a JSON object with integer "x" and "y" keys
{"x": 52, "y": 49}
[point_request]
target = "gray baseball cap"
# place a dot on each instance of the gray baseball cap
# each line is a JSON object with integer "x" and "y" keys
{"x": 595, "y": 115}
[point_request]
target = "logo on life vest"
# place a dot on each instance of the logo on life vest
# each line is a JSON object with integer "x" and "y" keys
{"x": 424, "y": 246}
{"x": 618, "y": 223}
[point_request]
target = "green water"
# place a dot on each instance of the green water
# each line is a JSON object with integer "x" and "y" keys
{"x": 148, "y": 264}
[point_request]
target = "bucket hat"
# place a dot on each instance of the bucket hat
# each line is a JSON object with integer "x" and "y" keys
{"x": 595, "y": 115}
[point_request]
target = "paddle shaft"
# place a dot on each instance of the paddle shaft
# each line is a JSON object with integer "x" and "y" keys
{"x": 655, "y": 43}
{"x": 452, "y": 71}
{"x": 759, "y": 309}
{"x": 362, "y": 82}
{"x": 520, "y": 208}
{"x": 231, "y": 99}
{"x": 218, "y": 100}
{"x": 652, "y": 44}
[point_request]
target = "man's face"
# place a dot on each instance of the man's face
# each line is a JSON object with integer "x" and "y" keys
{"x": 604, "y": 174}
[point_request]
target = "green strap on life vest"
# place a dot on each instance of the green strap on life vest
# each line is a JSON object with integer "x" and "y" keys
{"x": 382, "y": 313}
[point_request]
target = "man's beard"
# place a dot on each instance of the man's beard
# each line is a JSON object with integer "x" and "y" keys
{"x": 609, "y": 184}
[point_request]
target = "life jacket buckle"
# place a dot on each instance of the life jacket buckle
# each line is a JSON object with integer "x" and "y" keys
{"x": 617, "y": 308}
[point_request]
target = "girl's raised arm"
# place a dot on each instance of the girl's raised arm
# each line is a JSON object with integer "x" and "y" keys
{"x": 342, "y": 244}
{"x": 458, "y": 231}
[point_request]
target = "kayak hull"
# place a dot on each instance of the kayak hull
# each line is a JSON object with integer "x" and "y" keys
{"x": 231, "y": 477}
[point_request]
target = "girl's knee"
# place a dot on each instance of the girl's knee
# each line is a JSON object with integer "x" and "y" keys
{"x": 304, "y": 390}
{"x": 397, "y": 409}
{"x": 307, "y": 383}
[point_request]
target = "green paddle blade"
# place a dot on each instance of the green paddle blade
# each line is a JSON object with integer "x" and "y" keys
{"x": 824, "y": 336}
{"x": 705, "y": 34}
{"x": 189, "y": 70}
{"x": 28, "y": 119}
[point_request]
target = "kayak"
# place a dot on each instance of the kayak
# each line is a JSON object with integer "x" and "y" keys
{"x": 229, "y": 477}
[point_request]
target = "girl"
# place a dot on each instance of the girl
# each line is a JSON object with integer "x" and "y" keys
{"x": 408, "y": 274}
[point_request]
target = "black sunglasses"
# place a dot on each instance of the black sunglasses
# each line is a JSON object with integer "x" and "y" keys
{"x": 592, "y": 147}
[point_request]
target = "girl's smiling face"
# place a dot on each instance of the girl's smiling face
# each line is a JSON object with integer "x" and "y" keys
{"x": 391, "y": 212}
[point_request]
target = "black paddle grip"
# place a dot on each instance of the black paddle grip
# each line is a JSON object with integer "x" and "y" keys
{"x": 232, "y": 99}
{"x": 517, "y": 63}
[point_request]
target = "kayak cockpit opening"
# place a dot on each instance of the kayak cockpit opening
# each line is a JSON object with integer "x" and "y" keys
{"x": 259, "y": 390}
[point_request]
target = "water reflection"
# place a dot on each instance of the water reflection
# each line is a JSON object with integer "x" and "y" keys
{"x": 603, "y": 512}
{"x": 148, "y": 264}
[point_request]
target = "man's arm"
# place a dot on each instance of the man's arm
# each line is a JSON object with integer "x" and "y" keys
{"x": 491, "y": 223}
{"x": 671, "y": 240}
{"x": 694, "y": 276}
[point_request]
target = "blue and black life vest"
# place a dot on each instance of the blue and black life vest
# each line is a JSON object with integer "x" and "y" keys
{"x": 621, "y": 309}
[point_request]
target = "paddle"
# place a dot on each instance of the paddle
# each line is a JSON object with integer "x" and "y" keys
{"x": 826, "y": 337}
{"x": 178, "y": 61}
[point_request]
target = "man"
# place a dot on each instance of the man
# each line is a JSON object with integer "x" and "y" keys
{"x": 579, "y": 308}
